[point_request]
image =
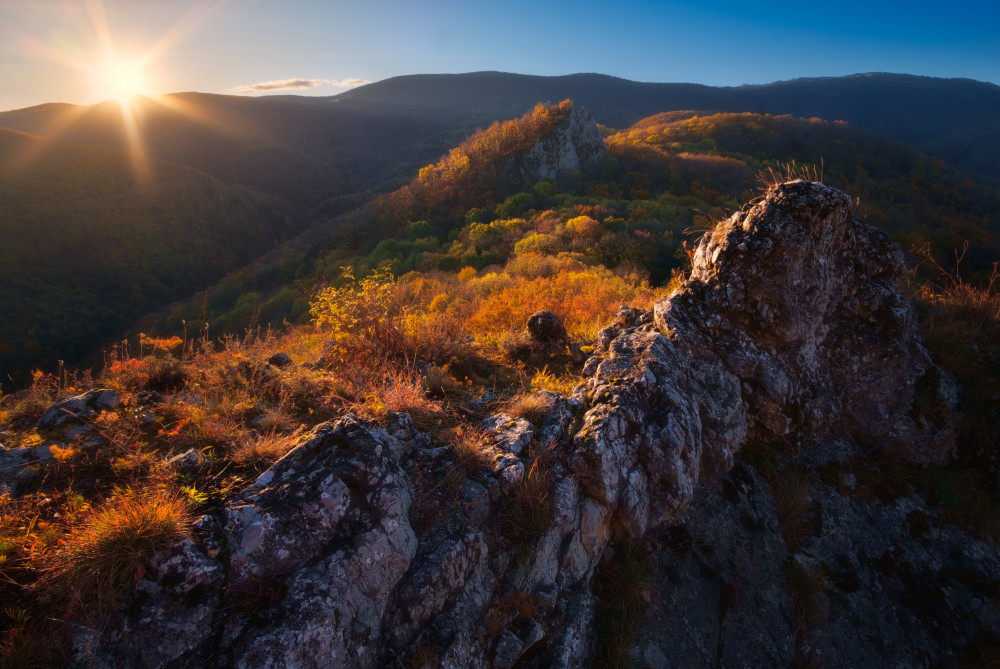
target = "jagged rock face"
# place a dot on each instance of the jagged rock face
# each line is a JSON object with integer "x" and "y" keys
{"x": 360, "y": 548}
{"x": 658, "y": 414}
{"x": 314, "y": 549}
{"x": 799, "y": 302}
{"x": 875, "y": 584}
{"x": 790, "y": 326}
{"x": 574, "y": 145}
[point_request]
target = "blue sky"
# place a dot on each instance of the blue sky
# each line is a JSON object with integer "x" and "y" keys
{"x": 48, "y": 47}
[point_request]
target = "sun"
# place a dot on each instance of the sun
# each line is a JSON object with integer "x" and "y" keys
{"x": 118, "y": 78}
{"x": 119, "y": 75}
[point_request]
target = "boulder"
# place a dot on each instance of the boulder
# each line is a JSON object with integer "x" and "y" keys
{"x": 798, "y": 301}
{"x": 18, "y": 464}
{"x": 279, "y": 360}
{"x": 80, "y": 407}
{"x": 547, "y": 330}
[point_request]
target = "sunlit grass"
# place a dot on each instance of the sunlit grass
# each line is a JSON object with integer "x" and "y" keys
{"x": 112, "y": 546}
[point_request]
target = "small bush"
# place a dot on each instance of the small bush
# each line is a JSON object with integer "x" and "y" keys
{"x": 361, "y": 317}
{"x": 435, "y": 336}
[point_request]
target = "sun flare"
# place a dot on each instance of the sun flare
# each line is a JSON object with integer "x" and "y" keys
{"x": 118, "y": 78}
{"x": 111, "y": 74}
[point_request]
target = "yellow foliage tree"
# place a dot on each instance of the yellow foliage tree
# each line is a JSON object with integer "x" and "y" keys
{"x": 362, "y": 317}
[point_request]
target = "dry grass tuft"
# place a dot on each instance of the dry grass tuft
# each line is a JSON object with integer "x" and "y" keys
{"x": 527, "y": 509}
{"x": 532, "y": 408}
{"x": 772, "y": 177}
{"x": 790, "y": 489}
{"x": 561, "y": 382}
{"x": 425, "y": 656}
{"x": 260, "y": 452}
{"x": 473, "y": 447}
{"x": 27, "y": 406}
{"x": 624, "y": 588}
{"x": 806, "y": 588}
{"x": 397, "y": 390}
{"x": 112, "y": 547}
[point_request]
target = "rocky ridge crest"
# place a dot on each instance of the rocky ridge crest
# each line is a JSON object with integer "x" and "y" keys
{"x": 790, "y": 333}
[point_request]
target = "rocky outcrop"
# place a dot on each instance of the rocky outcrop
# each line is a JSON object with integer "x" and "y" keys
{"x": 76, "y": 409}
{"x": 790, "y": 327}
{"x": 574, "y": 145}
{"x": 873, "y": 583}
{"x": 365, "y": 546}
{"x": 798, "y": 301}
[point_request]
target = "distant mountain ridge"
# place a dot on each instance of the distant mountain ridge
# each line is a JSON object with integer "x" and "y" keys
{"x": 84, "y": 251}
{"x": 311, "y": 151}
{"x": 953, "y": 119}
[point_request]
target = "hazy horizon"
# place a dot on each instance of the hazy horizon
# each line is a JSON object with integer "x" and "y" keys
{"x": 85, "y": 51}
{"x": 313, "y": 93}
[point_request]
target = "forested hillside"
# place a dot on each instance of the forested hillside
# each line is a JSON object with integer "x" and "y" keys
{"x": 665, "y": 181}
{"x": 87, "y": 249}
{"x": 666, "y": 177}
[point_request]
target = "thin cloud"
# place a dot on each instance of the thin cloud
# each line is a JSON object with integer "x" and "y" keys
{"x": 296, "y": 84}
{"x": 350, "y": 82}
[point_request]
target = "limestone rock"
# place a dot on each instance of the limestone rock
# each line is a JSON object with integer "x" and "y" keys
{"x": 189, "y": 398}
{"x": 574, "y": 145}
{"x": 18, "y": 464}
{"x": 789, "y": 327}
{"x": 74, "y": 409}
{"x": 316, "y": 546}
{"x": 188, "y": 461}
{"x": 510, "y": 435}
{"x": 798, "y": 301}
{"x": 878, "y": 584}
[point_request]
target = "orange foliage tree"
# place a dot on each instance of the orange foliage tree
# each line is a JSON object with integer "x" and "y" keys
{"x": 467, "y": 176}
